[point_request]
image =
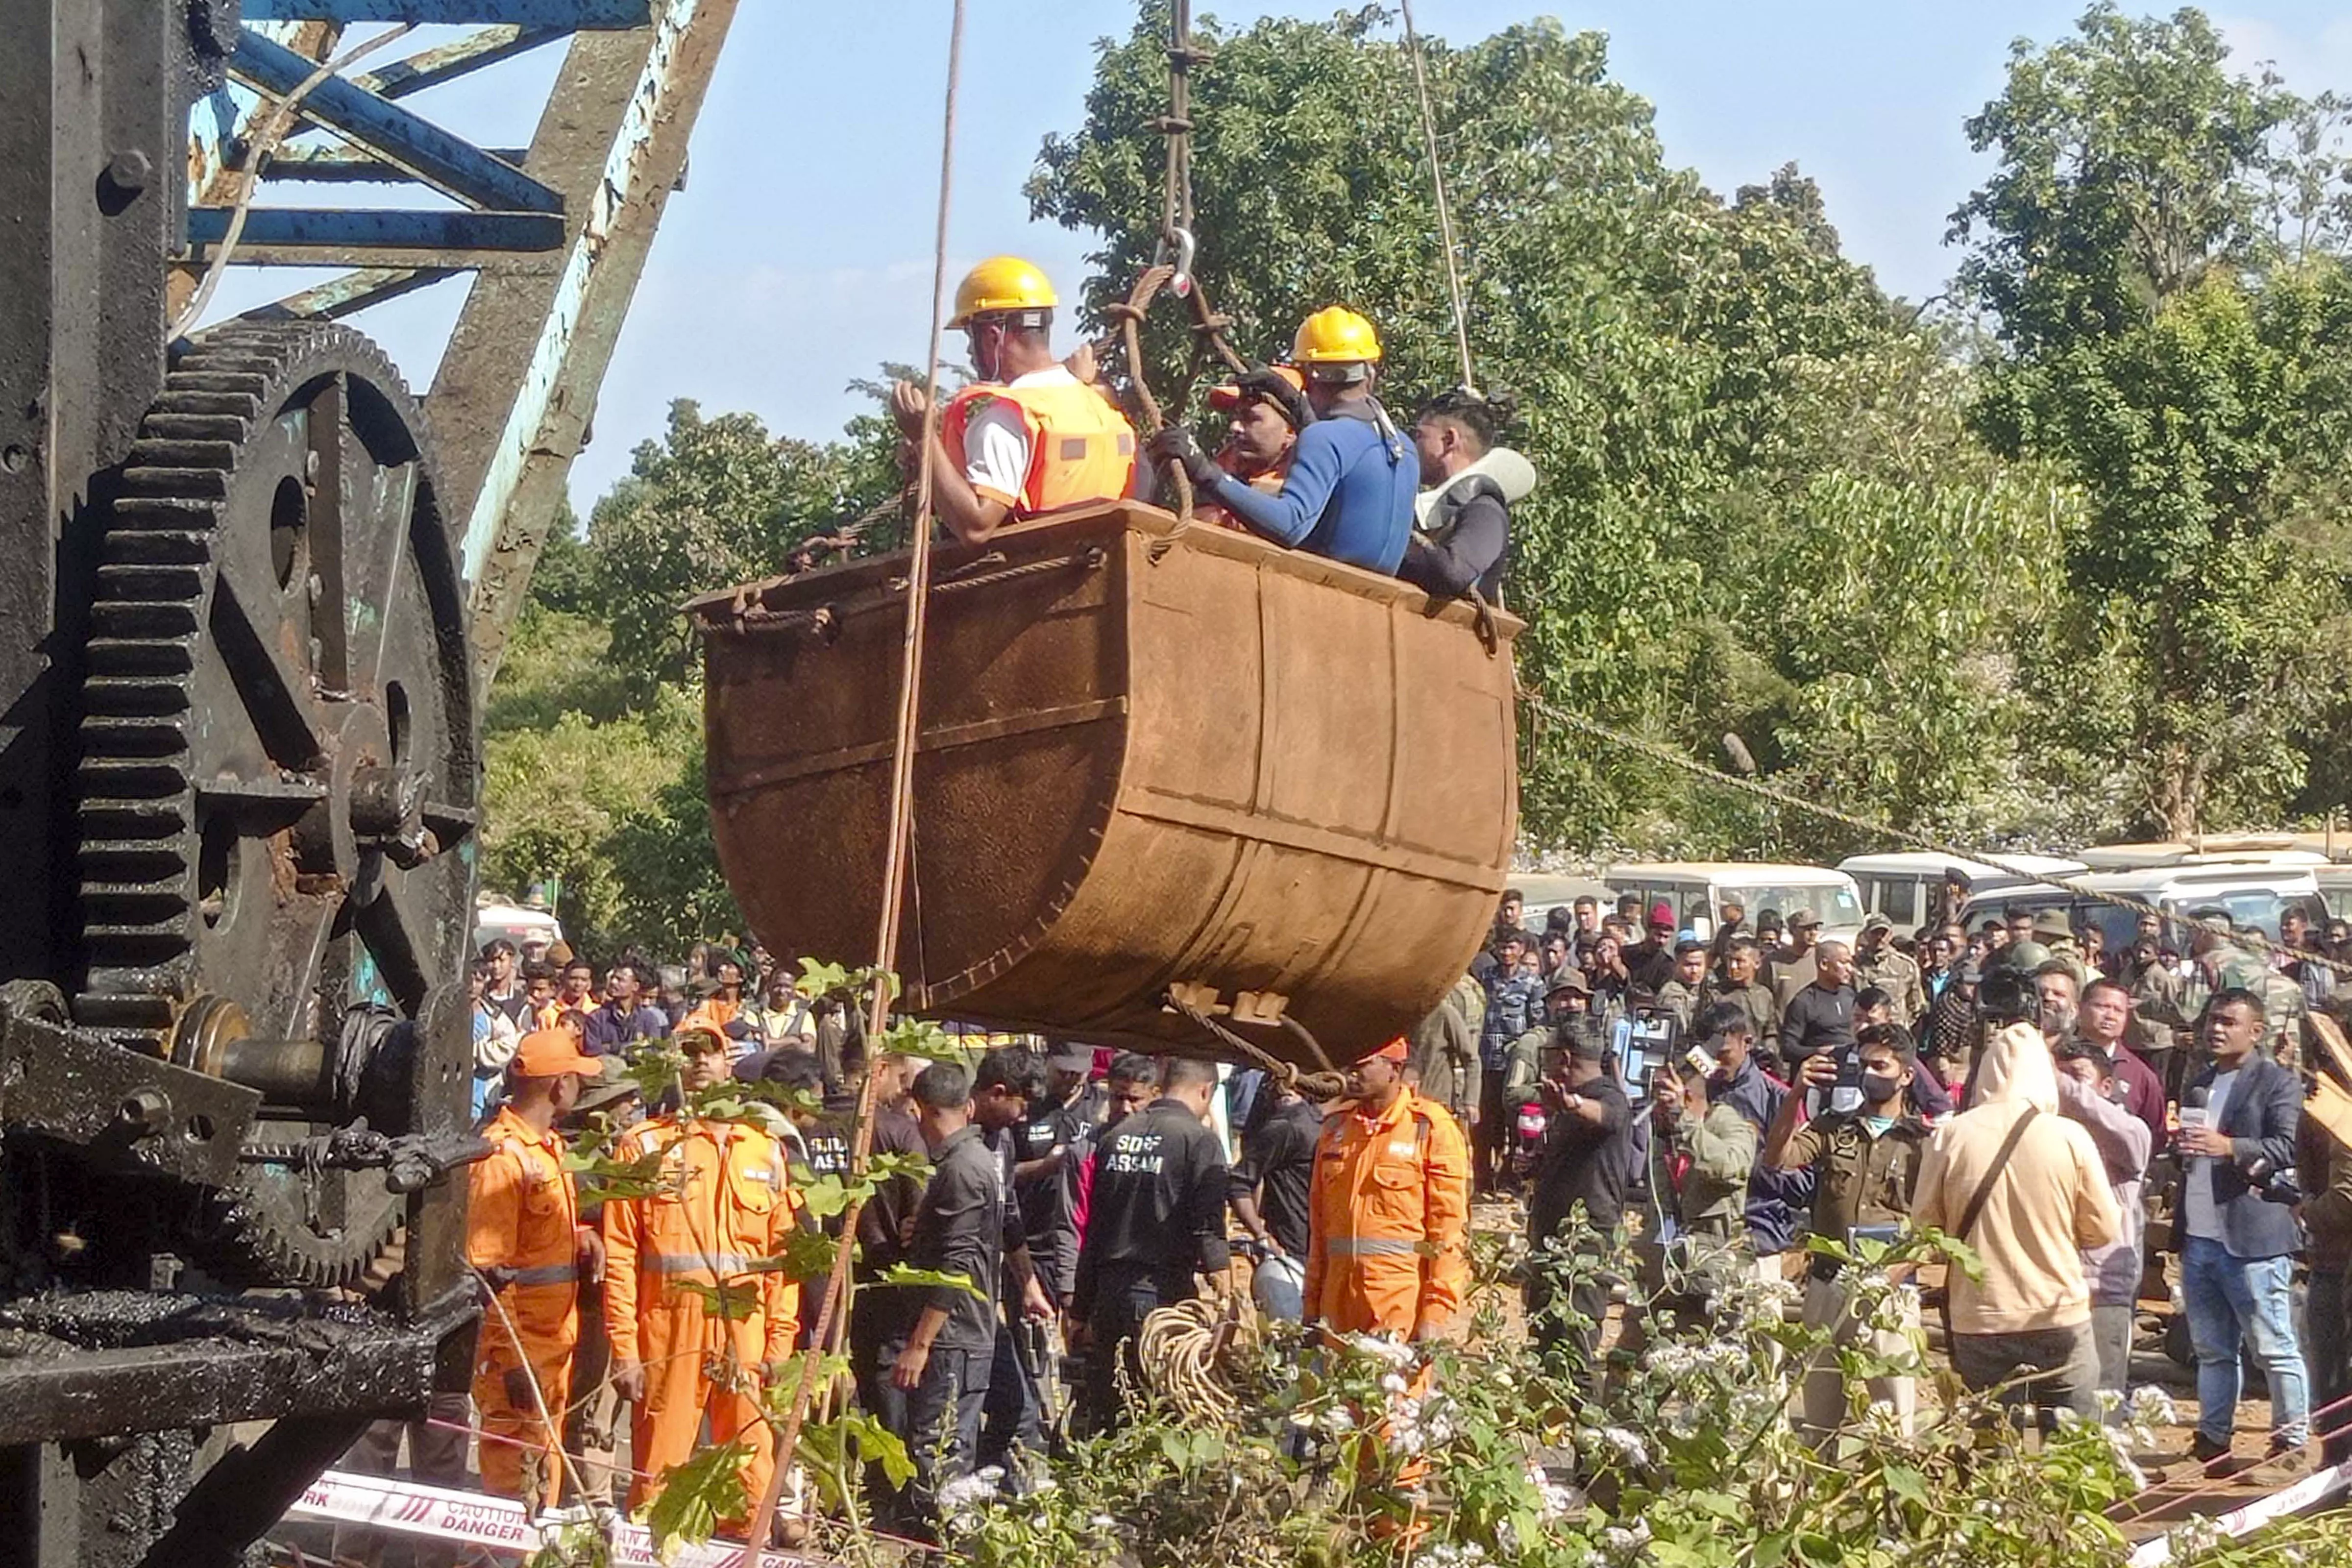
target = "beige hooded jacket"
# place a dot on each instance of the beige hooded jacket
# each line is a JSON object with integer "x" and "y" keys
{"x": 2047, "y": 1205}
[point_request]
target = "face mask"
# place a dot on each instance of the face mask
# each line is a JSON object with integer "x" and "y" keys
{"x": 1877, "y": 1088}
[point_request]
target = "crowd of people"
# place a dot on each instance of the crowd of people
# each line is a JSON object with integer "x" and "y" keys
{"x": 1078, "y": 1190}
{"x": 2018, "y": 1087}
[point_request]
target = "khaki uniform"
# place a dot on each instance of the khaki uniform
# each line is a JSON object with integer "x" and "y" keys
{"x": 1863, "y": 1180}
{"x": 1755, "y": 999}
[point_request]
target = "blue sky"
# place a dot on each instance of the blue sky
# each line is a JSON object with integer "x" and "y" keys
{"x": 798, "y": 257}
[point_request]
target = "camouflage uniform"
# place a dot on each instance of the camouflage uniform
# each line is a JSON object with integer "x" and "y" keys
{"x": 1896, "y": 975}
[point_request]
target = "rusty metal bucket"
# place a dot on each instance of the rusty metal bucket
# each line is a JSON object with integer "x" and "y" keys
{"x": 1152, "y": 757}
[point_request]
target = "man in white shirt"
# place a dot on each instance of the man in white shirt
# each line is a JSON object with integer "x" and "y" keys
{"x": 1028, "y": 437}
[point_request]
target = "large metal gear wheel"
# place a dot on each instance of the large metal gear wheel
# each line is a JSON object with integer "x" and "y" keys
{"x": 280, "y": 775}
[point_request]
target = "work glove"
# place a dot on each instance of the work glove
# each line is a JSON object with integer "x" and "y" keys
{"x": 1178, "y": 444}
{"x": 1264, "y": 382}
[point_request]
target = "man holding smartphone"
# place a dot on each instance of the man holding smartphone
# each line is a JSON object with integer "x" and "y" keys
{"x": 1867, "y": 1163}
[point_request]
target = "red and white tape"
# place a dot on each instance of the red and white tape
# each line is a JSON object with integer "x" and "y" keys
{"x": 501, "y": 1525}
{"x": 2308, "y": 1492}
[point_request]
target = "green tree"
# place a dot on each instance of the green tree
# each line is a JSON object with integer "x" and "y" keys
{"x": 1721, "y": 404}
{"x": 716, "y": 502}
{"x": 593, "y": 733}
{"x": 2186, "y": 365}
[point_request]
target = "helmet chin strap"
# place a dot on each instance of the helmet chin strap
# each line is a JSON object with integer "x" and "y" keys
{"x": 990, "y": 366}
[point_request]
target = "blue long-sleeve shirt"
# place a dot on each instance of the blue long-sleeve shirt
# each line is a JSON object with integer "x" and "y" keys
{"x": 1348, "y": 495}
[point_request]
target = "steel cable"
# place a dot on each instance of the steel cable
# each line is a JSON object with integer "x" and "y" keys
{"x": 273, "y": 130}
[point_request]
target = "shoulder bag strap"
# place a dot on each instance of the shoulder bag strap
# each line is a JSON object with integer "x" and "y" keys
{"x": 1992, "y": 1174}
{"x": 1977, "y": 1201}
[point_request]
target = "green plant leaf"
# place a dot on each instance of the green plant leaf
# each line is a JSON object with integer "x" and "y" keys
{"x": 696, "y": 1495}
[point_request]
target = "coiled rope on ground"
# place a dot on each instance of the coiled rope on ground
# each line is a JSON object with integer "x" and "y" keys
{"x": 1189, "y": 1352}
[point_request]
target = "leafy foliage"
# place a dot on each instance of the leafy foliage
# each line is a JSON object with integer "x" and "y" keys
{"x": 696, "y": 1495}
{"x": 1722, "y": 406}
{"x": 593, "y": 731}
{"x": 2163, "y": 251}
{"x": 1491, "y": 1452}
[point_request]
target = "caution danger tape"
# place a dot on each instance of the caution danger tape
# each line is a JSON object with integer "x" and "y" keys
{"x": 499, "y": 1524}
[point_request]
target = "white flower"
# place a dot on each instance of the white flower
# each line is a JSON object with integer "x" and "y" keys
{"x": 1629, "y": 1445}
{"x": 2151, "y": 1406}
{"x": 961, "y": 1500}
{"x": 1337, "y": 1420}
{"x": 1394, "y": 1382}
{"x": 2119, "y": 1449}
{"x": 1378, "y": 1347}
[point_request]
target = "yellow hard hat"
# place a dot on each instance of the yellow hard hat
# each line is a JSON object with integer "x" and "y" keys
{"x": 1335, "y": 336}
{"x": 1002, "y": 283}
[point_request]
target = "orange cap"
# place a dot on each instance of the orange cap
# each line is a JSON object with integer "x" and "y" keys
{"x": 1230, "y": 395}
{"x": 551, "y": 1053}
{"x": 1396, "y": 1051}
{"x": 701, "y": 1021}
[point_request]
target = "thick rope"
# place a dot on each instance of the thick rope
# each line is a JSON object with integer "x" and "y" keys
{"x": 1445, "y": 210}
{"x": 1330, "y": 1084}
{"x": 835, "y": 1300}
{"x": 1181, "y": 1350}
{"x": 1669, "y": 757}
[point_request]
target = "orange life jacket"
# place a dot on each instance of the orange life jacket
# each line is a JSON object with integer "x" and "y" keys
{"x": 1080, "y": 447}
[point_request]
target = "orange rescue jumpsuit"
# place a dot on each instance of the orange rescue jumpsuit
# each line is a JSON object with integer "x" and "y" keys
{"x": 523, "y": 1218}
{"x": 1389, "y": 1209}
{"x": 725, "y": 1205}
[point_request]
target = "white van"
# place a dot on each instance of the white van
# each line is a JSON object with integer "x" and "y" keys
{"x": 1696, "y": 890}
{"x": 2213, "y": 848}
{"x": 2335, "y": 889}
{"x": 517, "y": 923}
{"x": 2255, "y": 893}
{"x": 1908, "y": 888}
{"x": 1545, "y": 891}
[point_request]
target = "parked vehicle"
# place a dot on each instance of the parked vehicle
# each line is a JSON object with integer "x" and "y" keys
{"x": 2287, "y": 848}
{"x": 2335, "y": 889}
{"x": 1697, "y": 890}
{"x": 1545, "y": 892}
{"x": 1908, "y": 887}
{"x": 2253, "y": 892}
{"x": 495, "y": 918}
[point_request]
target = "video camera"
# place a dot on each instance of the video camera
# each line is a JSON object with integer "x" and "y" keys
{"x": 2009, "y": 996}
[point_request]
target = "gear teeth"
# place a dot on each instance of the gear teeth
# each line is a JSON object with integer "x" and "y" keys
{"x": 112, "y": 735}
{"x": 228, "y": 427}
{"x": 209, "y": 484}
{"x": 138, "y": 845}
{"x": 168, "y": 657}
{"x": 120, "y": 695}
{"x": 179, "y": 400}
{"x": 173, "y": 547}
